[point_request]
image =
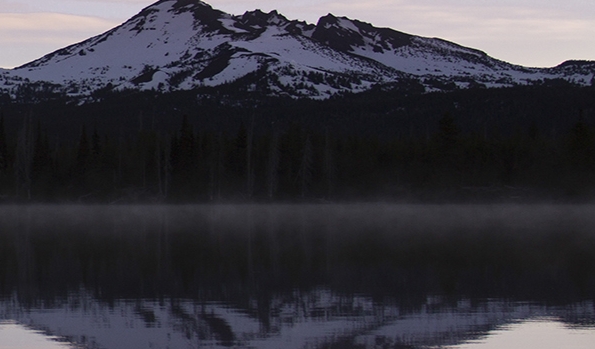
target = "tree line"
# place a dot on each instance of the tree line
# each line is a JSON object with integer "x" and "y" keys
{"x": 295, "y": 163}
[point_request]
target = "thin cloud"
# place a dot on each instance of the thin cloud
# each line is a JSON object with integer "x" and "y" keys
{"x": 27, "y": 36}
{"x": 10, "y": 6}
{"x": 34, "y": 24}
{"x": 119, "y": 1}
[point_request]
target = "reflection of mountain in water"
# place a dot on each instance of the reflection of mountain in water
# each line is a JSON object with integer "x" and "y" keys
{"x": 316, "y": 319}
{"x": 321, "y": 276}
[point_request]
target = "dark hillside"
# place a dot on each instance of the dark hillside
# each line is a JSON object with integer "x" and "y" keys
{"x": 524, "y": 143}
{"x": 383, "y": 113}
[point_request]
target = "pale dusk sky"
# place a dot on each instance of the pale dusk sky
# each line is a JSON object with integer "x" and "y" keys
{"x": 537, "y": 33}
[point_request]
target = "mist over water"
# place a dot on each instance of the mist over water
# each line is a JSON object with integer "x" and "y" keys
{"x": 319, "y": 276}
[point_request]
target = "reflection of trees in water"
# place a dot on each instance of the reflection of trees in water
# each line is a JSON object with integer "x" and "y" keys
{"x": 236, "y": 251}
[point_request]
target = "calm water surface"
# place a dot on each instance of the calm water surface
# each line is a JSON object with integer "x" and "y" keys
{"x": 297, "y": 276}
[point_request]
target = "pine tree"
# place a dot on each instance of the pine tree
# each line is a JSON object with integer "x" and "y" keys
{"x": 82, "y": 154}
{"x": 95, "y": 144}
{"x": 581, "y": 147}
{"x": 448, "y": 133}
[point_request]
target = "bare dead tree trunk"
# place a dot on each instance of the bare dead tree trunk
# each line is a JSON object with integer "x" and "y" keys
{"x": 212, "y": 160}
{"x": 329, "y": 164}
{"x": 167, "y": 168}
{"x": 249, "y": 169}
{"x": 143, "y": 164}
{"x": 24, "y": 158}
{"x": 273, "y": 166}
{"x": 159, "y": 169}
{"x": 212, "y": 169}
{"x": 220, "y": 165}
{"x": 306, "y": 167}
{"x": 140, "y": 121}
{"x": 118, "y": 177}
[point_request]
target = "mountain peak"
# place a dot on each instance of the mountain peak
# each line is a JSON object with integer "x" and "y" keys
{"x": 204, "y": 15}
{"x": 338, "y": 33}
{"x": 188, "y": 4}
{"x": 346, "y": 35}
{"x": 257, "y": 18}
{"x": 185, "y": 44}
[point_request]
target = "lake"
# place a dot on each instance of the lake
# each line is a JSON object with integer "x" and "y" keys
{"x": 297, "y": 276}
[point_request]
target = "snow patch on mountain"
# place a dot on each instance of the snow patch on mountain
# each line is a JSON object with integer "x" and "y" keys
{"x": 184, "y": 44}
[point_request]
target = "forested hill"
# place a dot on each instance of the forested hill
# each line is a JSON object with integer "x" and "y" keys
{"x": 401, "y": 111}
{"x": 524, "y": 143}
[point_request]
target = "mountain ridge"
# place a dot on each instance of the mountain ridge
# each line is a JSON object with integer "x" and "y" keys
{"x": 186, "y": 44}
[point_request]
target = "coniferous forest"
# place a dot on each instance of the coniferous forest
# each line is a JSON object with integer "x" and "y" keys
{"x": 517, "y": 144}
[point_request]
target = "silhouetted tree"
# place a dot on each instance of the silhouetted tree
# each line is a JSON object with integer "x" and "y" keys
{"x": 448, "y": 133}
{"x": 581, "y": 147}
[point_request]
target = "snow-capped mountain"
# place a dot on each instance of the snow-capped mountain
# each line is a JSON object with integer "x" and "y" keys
{"x": 183, "y": 44}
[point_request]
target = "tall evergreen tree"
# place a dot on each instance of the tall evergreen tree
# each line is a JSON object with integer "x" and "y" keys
{"x": 95, "y": 144}
{"x": 83, "y": 153}
{"x": 448, "y": 133}
{"x": 581, "y": 146}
